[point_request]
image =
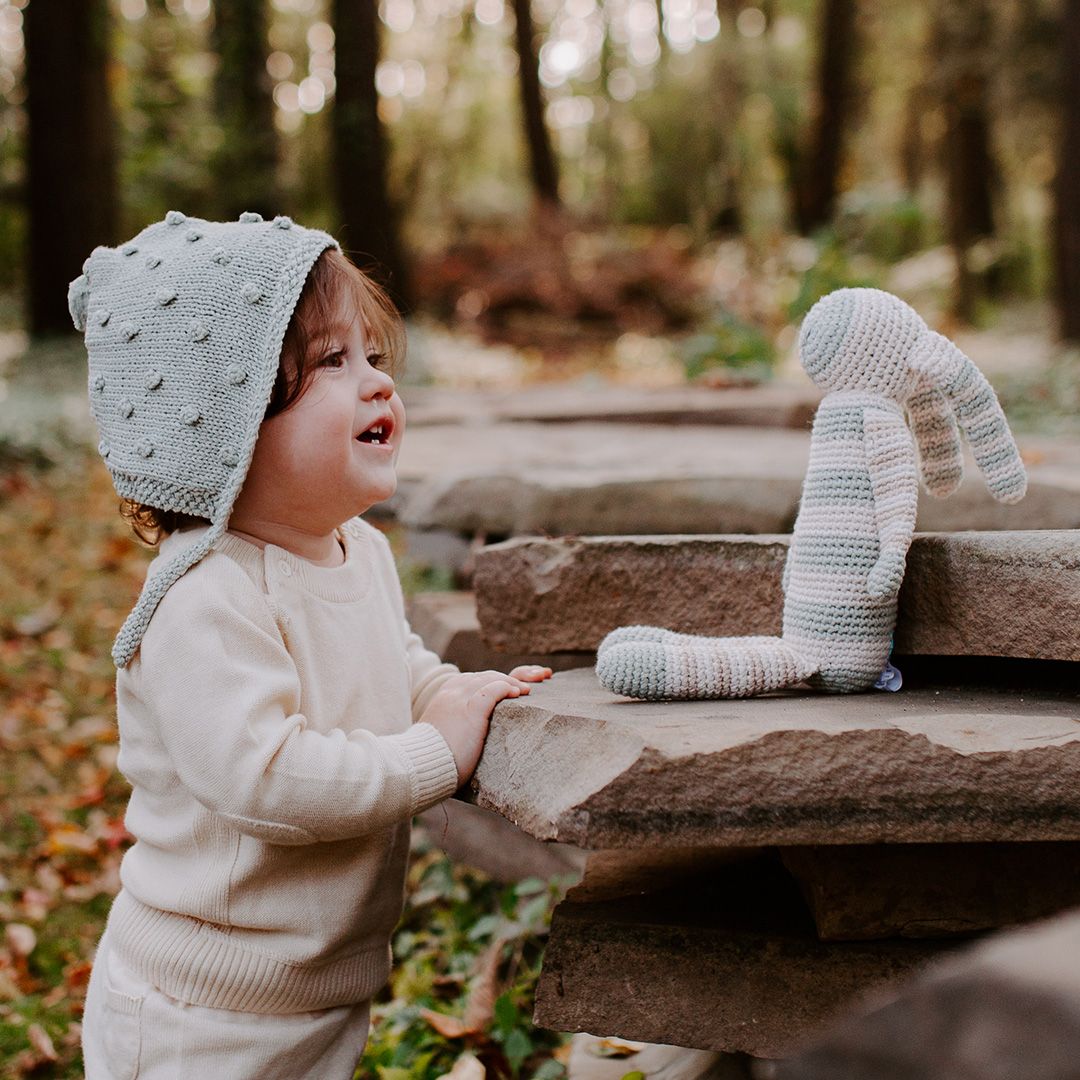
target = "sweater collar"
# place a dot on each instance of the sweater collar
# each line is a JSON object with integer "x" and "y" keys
{"x": 342, "y": 583}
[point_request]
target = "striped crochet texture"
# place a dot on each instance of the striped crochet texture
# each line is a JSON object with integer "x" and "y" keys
{"x": 183, "y": 327}
{"x": 892, "y": 384}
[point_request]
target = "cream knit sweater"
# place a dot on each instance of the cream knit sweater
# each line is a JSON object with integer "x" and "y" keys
{"x": 268, "y": 729}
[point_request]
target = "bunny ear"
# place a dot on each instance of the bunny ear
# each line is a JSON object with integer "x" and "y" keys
{"x": 938, "y": 439}
{"x": 978, "y": 413}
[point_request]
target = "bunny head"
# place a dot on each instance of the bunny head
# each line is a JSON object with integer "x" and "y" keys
{"x": 862, "y": 339}
{"x": 866, "y": 339}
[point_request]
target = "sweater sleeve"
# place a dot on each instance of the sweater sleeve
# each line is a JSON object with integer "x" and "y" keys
{"x": 223, "y": 692}
{"x": 427, "y": 673}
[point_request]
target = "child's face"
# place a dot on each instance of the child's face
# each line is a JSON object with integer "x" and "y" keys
{"x": 313, "y": 466}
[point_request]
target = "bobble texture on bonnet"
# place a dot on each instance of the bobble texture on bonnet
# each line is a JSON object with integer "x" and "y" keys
{"x": 183, "y": 327}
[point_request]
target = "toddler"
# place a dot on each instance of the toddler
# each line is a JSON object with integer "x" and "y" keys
{"x": 279, "y": 722}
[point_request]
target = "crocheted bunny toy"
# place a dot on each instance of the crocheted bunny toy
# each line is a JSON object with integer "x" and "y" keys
{"x": 877, "y": 361}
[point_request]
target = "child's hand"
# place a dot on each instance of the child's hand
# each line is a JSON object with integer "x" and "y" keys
{"x": 462, "y": 708}
{"x": 531, "y": 673}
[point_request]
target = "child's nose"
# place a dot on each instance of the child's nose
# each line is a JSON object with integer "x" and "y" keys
{"x": 378, "y": 384}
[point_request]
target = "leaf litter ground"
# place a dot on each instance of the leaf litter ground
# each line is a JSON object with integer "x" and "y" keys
{"x": 467, "y": 952}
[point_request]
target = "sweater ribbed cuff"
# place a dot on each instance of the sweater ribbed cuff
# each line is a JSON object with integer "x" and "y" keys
{"x": 433, "y": 765}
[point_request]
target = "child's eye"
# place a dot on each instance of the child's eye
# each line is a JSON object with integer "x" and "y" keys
{"x": 334, "y": 359}
{"x": 377, "y": 359}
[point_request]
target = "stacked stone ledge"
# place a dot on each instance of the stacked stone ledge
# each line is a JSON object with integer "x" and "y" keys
{"x": 759, "y": 865}
{"x": 1007, "y": 594}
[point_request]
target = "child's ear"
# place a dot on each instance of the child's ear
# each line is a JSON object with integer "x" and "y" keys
{"x": 941, "y": 464}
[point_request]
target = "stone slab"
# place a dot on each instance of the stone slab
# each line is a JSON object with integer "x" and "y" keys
{"x": 449, "y": 626}
{"x": 488, "y": 842}
{"x": 730, "y": 964}
{"x": 860, "y": 891}
{"x": 575, "y": 763}
{"x": 1007, "y": 1009}
{"x": 778, "y": 404}
{"x": 589, "y": 478}
{"x": 985, "y": 594}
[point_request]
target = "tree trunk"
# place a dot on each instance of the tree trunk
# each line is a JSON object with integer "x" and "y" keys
{"x": 543, "y": 170}
{"x": 368, "y": 220}
{"x": 71, "y": 197}
{"x": 1067, "y": 194}
{"x": 818, "y": 178}
{"x": 245, "y": 164}
{"x": 963, "y": 47}
{"x": 912, "y": 141}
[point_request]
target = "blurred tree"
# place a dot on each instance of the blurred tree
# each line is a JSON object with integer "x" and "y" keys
{"x": 167, "y": 119}
{"x": 963, "y": 57}
{"x": 543, "y": 169}
{"x": 1067, "y": 187}
{"x": 817, "y": 175}
{"x": 71, "y": 195}
{"x": 244, "y": 166}
{"x": 369, "y": 223}
{"x": 913, "y": 140}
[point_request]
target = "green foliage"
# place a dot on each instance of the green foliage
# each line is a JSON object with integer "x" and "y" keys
{"x": 728, "y": 342}
{"x": 1046, "y": 400}
{"x": 889, "y": 227}
{"x": 831, "y": 270}
{"x": 462, "y": 938}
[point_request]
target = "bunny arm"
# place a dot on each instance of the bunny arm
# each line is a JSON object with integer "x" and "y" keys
{"x": 937, "y": 437}
{"x": 890, "y": 461}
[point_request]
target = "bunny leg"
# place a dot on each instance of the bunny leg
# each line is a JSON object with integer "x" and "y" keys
{"x": 709, "y": 668}
{"x": 655, "y": 634}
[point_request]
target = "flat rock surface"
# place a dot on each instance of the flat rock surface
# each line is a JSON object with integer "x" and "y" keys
{"x": 778, "y": 404}
{"x": 574, "y": 763}
{"x": 1007, "y": 1009}
{"x": 1013, "y": 594}
{"x": 589, "y": 478}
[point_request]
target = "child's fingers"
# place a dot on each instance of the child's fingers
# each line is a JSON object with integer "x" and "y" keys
{"x": 531, "y": 673}
{"x": 491, "y": 693}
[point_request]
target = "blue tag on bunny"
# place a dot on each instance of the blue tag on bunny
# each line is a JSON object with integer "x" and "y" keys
{"x": 890, "y": 678}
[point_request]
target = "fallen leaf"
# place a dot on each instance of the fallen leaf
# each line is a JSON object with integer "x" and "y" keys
{"x": 467, "y": 1067}
{"x": 34, "y": 623}
{"x": 449, "y": 1027}
{"x": 480, "y": 1004}
{"x": 67, "y": 839}
{"x": 40, "y": 1041}
{"x": 616, "y": 1048}
{"x": 20, "y": 938}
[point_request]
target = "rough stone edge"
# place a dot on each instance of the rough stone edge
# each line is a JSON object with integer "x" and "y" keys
{"x": 941, "y": 807}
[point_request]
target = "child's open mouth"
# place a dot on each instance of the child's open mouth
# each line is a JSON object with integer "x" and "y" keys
{"x": 378, "y": 434}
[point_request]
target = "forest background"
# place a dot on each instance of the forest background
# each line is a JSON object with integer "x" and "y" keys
{"x": 649, "y": 190}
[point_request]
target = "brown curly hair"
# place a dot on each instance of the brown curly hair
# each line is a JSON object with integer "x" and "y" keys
{"x": 333, "y": 282}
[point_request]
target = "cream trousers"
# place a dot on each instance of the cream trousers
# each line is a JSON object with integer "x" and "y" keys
{"x": 131, "y": 1029}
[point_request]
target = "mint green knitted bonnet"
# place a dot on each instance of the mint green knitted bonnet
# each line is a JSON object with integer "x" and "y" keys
{"x": 183, "y": 327}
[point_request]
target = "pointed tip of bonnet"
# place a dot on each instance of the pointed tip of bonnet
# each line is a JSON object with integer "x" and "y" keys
{"x": 79, "y": 301}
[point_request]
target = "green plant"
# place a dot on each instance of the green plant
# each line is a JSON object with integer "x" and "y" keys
{"x": 466, "y": 961}
{"x": 728, "y": 342}
{"x": 830, "y": 270}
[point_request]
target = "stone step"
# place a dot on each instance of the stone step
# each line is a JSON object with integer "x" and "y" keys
{"x": 777, "y": 404}
{"x": 729, "y": 962}
{"x": 858, "y": 892}
{"x": 449, "y": 626}
{"x": 1008, "y": 594}
{"x": 931, "y": 764}
{"x": 1006, "y": 1009}
{"x": 511, "y": 478}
